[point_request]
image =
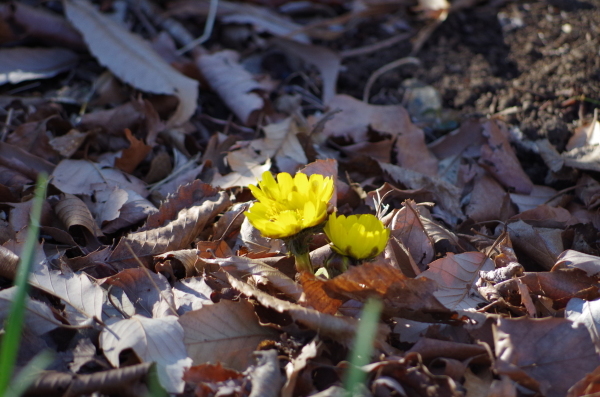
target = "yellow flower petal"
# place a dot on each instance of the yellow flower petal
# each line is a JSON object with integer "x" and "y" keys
{"x": 360, "y": 237}
{"x": 289, "y": 204}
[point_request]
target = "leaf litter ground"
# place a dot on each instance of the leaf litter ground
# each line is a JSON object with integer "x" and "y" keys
{"x": 477, "y": 145}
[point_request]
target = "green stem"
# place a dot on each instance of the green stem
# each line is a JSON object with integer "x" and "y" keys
{"x": 303, "y": 263}
{"x": 13, "y": 326}
{"x": 298, "y": 246}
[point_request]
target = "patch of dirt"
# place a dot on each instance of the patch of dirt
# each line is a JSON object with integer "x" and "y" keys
{"x": 539, "y": 57}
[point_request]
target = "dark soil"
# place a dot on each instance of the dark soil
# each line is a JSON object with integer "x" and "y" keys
{"x": 541, "y": 58}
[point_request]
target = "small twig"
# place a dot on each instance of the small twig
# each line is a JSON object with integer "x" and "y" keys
{"x": 385, "y": 69}
{"x": 376, "y": 46}
{"x": 208, "y": 27}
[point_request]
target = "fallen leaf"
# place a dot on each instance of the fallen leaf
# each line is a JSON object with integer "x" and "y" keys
{"x": 262, "y": 273}
{"x": 191, "y": 294}
{"x": 266, "y": 375}
{"x": 22, "y": 64}
{"x": 82, "y": 177}
{"x": 174, "y": 235}
{"x": 39, "y": 318}
{"x": 133, "y": 155}
{"x": 152, "y": 339}
{"x": 149, "y": 292}
{"x": 234, "y": 84}
{"x": 575, "y": 259}
{"x": 402, "y": 296}
{"x": 542, "y": 244}
{"x": 247, "y": 166}
{"x": 341, "y": 329}
{"x": 281, "y": 143}
{"x": 225, "y": 332}
{"x": 325, "y": 60}
{"x": 83, "y": 297}
{"x": 456, "y": 276}
{"x": 546, "y": 355}
{"x": 445, "y": 194}
{"x": 132, "y": 59}
{"x": 499, "y": 158}
{"x": 407, "y": 226}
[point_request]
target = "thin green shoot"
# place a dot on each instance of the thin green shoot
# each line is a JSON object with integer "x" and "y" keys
{"x": 29, "y": 373}
{"x": 14, "y": 324}
{"x": 363, "y": 346}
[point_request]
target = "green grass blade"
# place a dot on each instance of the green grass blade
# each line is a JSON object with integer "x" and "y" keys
{"x": 14, "y": 324}
{"x": 363, "y": 345}
{"x": 28, "y": 374}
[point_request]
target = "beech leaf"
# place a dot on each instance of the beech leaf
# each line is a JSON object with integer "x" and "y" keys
{"x": 226, "y": 332}
{"x": 131, "y": 58}
{"x": 152, "y": 339}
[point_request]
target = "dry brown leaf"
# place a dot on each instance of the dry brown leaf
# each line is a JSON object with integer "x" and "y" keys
{"x": 295, "y": 367}
{"x": 210, "y": 373}
{"x": 149, "y": 292}
{"x": 281, "y": 143}
{"x": 588, "y": 386}
{"x": 545, "y": 216}
{"x": 152, "y": 339}
{"x": 467, "y": 140}
{"x": 113, "y": 121}
{"x": 586, "y": 134}
{"x": 186, "y": 196}
{"x": 83, "y": 177}
{"x": 315, "y": 295}
{"x": 559, "y": 286}
{"x": 407, "y": 227}
{"x": 583, "y": 158}
{"x": 489, "y": 201}
{"x": 25, "y": 163}
{"x": 445, "y": 194}
{"x": 131, "y": 58}
{"x": 357, "y": 117}
{"x": 266, "y": 375}
{"x": 542, "y": 244}
{"x": 22, "y": 64}
{"x": 432, "y": 348}
{"x": 226, "y": 332}
{"x": 115, "y": 208}
{"x": 72, "y": 211}
{"x": 499, "y": 158}
{"x": 456, "y": 276}
{"x": 546, "y": 355}
{"x": 8, "y": 263}
{"x": 247, "y": 166}
{"x": 325, "y": 60}
{"x": 539, "y": 195}
{"x": 402, "y": 297}
{"x": 575, "y": 259}
{"x": 191, "y": 294}
{"x": 177, "y": 264}
{"x": 83, "y": 297}
{"x": 242, "y": 268}
{"x": 128, "y": 380}
{"x": 587, "y": 313}
{"x": 340, "y": 329}
{"x": 263, "y": 19}
{"x": 38, "y": 24}
{"x": 39, "y": 318}
{"x": 173, "y": 235}
{"x": 69, "y": 143}
{"x": 133, "y": 155}
{"x": 233, "y": 83}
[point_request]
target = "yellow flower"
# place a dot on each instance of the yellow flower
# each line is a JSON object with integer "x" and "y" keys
{"x": 287, "y": 206}
{"x": 360, "y": 237}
